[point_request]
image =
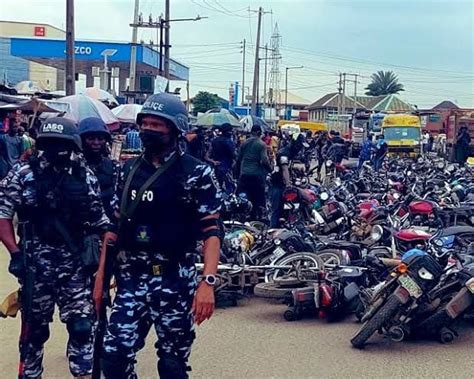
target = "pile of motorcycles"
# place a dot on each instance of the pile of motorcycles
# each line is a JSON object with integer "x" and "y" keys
{"x": 395, "y": 248}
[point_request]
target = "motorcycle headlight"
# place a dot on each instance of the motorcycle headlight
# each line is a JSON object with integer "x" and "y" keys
{"x": 376, "y": 233}
{"x": 324, "y": 196}
{"x": 329, "y": 163}
{"x": 277, "y": 242}
{"x": 425, "y": 274}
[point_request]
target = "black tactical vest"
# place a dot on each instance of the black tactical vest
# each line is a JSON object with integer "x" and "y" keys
{"x": 61, "y": 198}
{"x": 166, "y": 219}
{"x": 104, "y": 171}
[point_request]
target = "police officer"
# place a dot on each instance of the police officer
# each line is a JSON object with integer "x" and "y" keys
{"x": 95, "y": 135}
{"x": 169, "y": 201}
{"x": 56, "y": 198}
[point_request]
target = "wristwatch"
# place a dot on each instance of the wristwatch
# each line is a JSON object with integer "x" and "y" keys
{"x": 209, "y": 279}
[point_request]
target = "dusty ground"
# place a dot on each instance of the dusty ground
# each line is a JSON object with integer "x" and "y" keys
{"x": 253, "y": 341}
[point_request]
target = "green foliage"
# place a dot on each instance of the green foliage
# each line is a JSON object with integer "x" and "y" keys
{"x": 383, "y": 83}
{"x": 204, "y": 101}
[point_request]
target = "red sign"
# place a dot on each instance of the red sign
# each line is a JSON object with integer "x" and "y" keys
{"x": 40, "y": 31}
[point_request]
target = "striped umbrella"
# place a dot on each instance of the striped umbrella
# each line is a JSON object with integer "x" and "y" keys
{"x": 218, "y": 117}
{"x": 127, "y": 112}
{"x": 83, "y": 106}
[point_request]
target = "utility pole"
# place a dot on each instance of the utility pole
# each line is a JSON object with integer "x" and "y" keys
{"x": 256, "y": 71}
{"x": 133, "y": 50}
{"x": 354, "y": 111}
{"x": 286, "y": 88}
{"x": 265, "y": 79}
{"x": 243, "y": 72}
{"x": 339, "y": 99}
{"x": 70, "y": 53}
{"x": 167, "y": 43}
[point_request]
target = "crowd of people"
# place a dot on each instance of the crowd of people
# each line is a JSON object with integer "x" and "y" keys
{"x": 67, "y": 191}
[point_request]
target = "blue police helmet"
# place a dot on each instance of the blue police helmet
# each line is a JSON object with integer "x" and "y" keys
{"x": 168, "y": 107}
{"x": 93, "y": 125}
{"x": 58, "y": 128}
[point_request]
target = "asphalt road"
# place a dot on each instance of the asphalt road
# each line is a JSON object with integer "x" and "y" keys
{"x": 253, "y": 341}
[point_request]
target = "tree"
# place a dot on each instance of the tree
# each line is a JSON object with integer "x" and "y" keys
{"x": 384, "y": 83}
{"x": 204, "y": 101}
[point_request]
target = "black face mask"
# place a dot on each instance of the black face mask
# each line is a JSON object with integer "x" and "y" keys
{"x": 155, "y": 142}
{"x": 57, "y": 156}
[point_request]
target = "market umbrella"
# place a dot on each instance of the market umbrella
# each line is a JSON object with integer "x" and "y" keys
{"x": 127, "y": 112}
{"x": 28, "y": 87}
{"x": 99, "y": 94}
{"x": 218, "y": 117}
{"x": 249, "y": 121}
{"x": 83, "y": 106}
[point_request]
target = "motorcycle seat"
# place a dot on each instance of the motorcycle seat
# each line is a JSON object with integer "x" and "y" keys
{"x": 457, "y": 229}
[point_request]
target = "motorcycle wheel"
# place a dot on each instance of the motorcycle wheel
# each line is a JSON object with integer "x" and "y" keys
{"x": 308, "y": 260}
{"x": 332, "y": 258}
{"x": 274, "y": 291}
{"x": 376, "y": 322}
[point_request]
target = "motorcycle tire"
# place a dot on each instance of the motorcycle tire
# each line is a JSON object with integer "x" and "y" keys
{"x": 273, "y": 291}
{"x": 332, "y": 258}
{"x": 376, "y": 322}
{"x": 312, "y": 258}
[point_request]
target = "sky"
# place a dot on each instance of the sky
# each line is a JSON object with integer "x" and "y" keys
{"x": 429, "y": 44}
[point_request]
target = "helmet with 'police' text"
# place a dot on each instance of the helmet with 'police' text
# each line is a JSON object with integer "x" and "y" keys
{"x": 168, "y": 107}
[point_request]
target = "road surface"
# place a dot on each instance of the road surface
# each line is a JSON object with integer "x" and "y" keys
{"x": 253, "y": 341}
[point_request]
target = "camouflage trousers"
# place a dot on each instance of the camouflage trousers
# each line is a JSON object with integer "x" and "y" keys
{"x": 144, "y": 299}
{"x": 59, "y": 279}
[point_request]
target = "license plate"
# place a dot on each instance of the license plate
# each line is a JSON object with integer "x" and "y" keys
{"x": 279, "y": 252}
{"x": 410, "y": 285}
{"x": 470, "y": 285}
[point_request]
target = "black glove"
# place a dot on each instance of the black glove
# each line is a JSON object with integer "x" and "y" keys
{"x": 17, "y": 265}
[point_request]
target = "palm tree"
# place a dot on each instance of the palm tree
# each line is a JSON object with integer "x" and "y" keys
{"x": 383, "y": 83}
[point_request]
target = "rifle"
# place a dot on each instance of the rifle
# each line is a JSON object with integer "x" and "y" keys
{"x": 26, "y": 297}
{"x": 101, "y": 294}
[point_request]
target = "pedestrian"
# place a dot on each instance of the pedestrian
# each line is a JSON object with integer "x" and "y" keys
{"x": 280, "y": 180}
{"x": 168, "y": 201}
{"x": 13, "y": 143}
{"x": 381, "y": 150}
{"x": 132, "y": 139}
{"x": 28, "y": 142}
{"x": 461, "y": 147}
{"x": 430, "y": 145}
{"x": 196, "y": 143}
{"x": 320, "y": 144}
{"x": 59, "y": 209}
{"x": 366, "y": 151}
{"x": 253, "y": 165}
{"x": 221, "y": 156}
{"x": 95, "y": 136}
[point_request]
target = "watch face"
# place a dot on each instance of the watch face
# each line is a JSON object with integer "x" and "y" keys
{"x": 210, "y": 279}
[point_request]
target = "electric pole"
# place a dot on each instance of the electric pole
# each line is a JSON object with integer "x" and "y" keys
{"x": 167, "y": 43}
{"x": 70, "y": 53}
{"x": 243, "y": 72}
{"x": 133, "y": 50}
{"x": 339, "y": 99}
{"x": 256, "y": 71}
{"x": 265, "y": 80}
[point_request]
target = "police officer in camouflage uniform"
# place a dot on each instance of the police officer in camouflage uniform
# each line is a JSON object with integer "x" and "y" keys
{"x": 177, "y": 203}
{"x": 95, "y": 135}
{"x": 58, "y": 198}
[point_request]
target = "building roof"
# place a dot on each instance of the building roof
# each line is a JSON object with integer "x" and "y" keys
{"x": 446, "y": 105}
{"x": 331, "y": 100}
{"x": 375, "y": 103}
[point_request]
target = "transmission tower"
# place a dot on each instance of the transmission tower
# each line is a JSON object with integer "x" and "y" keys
{"x": 274, "y": 95}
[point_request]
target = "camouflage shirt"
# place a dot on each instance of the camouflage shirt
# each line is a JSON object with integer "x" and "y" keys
{"x": 18, "y": 190}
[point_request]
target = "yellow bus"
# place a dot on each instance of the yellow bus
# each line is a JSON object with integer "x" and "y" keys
{"x": 402, "y": 132}
{"x": 304, "y": 125}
